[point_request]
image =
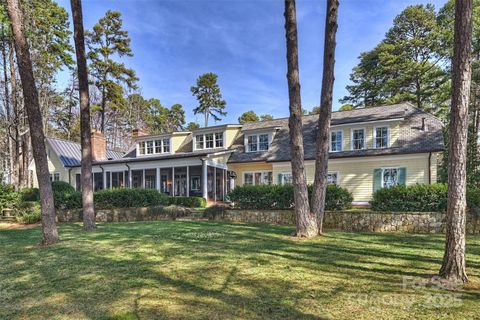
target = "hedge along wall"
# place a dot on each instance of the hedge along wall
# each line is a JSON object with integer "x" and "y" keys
{"x": 357, "y": 221}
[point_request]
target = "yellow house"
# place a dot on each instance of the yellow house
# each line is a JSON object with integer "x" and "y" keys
{"x": 370, "y": 148}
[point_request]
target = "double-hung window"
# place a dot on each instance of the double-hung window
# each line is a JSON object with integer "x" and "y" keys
{"x": 158, "y": 146}
{"x": 199, "y": 141}
{"x": 381, "y": 137}
{"x": 141, "y": 147}
{"x": 257, "y": 142}
{"x": 388, "y": 177}
{"x": 257, "y": 178}
{"x": 209, "y": 141}
{"x": 336, "y": 141}
{"x": 332, "y": 178}
{"x": 358, "y": 139}
{"x": 252, "y": 143}
{"x": 149, "y": 147}
{"x": 166, "y": 145}
{"x": 285, "y": 178}
{"x": 219, "y": 140}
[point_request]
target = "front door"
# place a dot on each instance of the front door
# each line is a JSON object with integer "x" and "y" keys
{"x": 181, "y": 184}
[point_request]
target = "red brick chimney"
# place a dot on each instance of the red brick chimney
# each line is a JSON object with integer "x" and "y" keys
{"x": 99, "y": 146}
{"x": 138, "y": 133}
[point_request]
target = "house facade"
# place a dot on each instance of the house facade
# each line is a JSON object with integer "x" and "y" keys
{"x": 370, "y": 148}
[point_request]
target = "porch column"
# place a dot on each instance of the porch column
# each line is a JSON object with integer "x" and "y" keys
{"x": 157, "y": 179}
{"x": 215, "y": 184}
{"x": 173, "y": 181}
{"x": 204, "y": 180}
{"x": 104, "y": 174}
{"x": 188, "y": 181}
{"x": 143, "y": 178}
{"x": 223, "y": 184}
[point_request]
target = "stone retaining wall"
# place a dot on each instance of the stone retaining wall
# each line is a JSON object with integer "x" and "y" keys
{"x": 414, "y": 222}
{"x": 360, "y": 221}
{"x": 127, "y": 214}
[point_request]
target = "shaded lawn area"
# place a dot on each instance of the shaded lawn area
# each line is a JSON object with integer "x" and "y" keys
{"x": 206, "y": 270}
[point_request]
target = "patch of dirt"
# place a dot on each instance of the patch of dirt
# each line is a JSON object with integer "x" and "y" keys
{"x": 14, "y": 226}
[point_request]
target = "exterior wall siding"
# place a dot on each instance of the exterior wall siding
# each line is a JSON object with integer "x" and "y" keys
{"x": 356, "y": 174}
{"x": 54, "y": 165}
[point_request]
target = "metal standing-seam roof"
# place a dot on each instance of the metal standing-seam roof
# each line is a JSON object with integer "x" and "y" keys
{"x": 70, "y": 153}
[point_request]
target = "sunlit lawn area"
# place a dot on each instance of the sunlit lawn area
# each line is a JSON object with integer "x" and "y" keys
{"x": 202, "y": 270}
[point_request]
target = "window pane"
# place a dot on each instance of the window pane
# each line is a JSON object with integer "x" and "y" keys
{"x": 248, "y": 179}
{"x": 149, "y": 147}
{"x": 209, "y": 140}
{"x": 390, "y": 177}
{"x": 336, "y": 144}
{"x": 267, "y": 178}
{"x": 263, "y": 142}
{"x": 150, "y": 178}
{"x": 166, "y": 145}
{"x": 381, "y": 137}
{"x": 56, "y": 176}
{"x": 97, "y": 181}
{"x": 252, "y": 143}
{"x": 158, "y": 146}
{"x": 332, "y": 178}
{"x": 258, "y": 178}
{"x": 358, "y": 139}
{"x": 141, "y": 147}
{"x": 219, "y": 140}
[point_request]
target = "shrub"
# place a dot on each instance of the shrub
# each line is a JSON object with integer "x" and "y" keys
{"x": 338, "y": 198}
{"x": 30, "y": 194}
{"x": 419, "y": 197}
{"x": 29, "y": 212}
{"x": 8, "y": 197}
{"x": 128, "y": 198}
{"x": 281, "y": 197}
{"x": 190, "y": 202}
{"x": 214, "y": 211}
{"x": 65, "y": 196}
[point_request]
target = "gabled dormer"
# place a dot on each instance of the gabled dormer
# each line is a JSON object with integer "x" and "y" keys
{"x": 259, "y": 139}
{"x": 214, "y": 138}
{"x": 162, "y": 144}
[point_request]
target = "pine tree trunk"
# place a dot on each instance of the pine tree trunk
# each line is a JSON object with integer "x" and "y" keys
{"x": 30, "y": 95}
{"x": 10, "y": 142}
{"x": 306, "y": 222}
{"x": 87, "y": 184}
{"x": 323, "y": 131}
{"x": 453, "y": 267}
{"x": 15, "y": 122}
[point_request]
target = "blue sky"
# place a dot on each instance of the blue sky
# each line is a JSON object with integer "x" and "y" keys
{"x": 243, "y": 41}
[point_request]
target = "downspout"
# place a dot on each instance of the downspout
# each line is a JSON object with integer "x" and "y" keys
{"x": 430, "y": 168}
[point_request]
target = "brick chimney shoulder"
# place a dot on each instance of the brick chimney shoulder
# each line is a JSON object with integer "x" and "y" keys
{"x": 99, "y": 146}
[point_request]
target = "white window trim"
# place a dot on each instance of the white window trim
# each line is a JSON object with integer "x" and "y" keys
{"x": 341, "y": 142}
{"x": 154, "y": 147}
{"x": 364, "y": 138}
{"x": 338, "y": 176}
{"x": 253, "y": 172}
{"x": 283, "y": 174}
{"x": 204, "y": 140}
{"x": 257, "y": 134}
{"x": 375, "y": 137}
{"x": 387, "y": 168}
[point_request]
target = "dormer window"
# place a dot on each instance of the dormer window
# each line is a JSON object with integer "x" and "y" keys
{"x": 336, "y": 141}
{"x": 209, "y": 140}
{"x": 151, "y": 147}
{"x": 358, "y": 139}
{"x": 381, "y": 137}
{"x": 258, "y": 142}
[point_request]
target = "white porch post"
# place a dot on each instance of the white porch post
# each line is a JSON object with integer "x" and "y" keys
{"x": 223, "y": 184}
{"x": 143, "y": 178}
{"x": 173, "y": 181}
{"x": 215, "y": 184}
{"x": 157, "y": 179}
{"x": 204, "y": 180}
{"x": 188, "y": 181}
{"x": 104, "y": 174}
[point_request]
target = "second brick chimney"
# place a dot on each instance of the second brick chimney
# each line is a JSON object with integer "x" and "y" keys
{"x": 138, "y": 133}
{"x": 99, "y": 146}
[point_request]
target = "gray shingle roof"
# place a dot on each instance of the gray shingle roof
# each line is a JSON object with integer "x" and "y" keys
{"x": 411, "y": 138}
{"x": 70, "y": 153}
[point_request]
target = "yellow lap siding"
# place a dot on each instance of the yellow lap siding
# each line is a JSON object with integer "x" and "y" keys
{"x": 356, "y": 174}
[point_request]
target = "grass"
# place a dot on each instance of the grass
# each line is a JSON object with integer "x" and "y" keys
{"x": 205, "y": 270}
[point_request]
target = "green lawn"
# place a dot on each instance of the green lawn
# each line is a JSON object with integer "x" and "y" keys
{"x": 203, "y": 270}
